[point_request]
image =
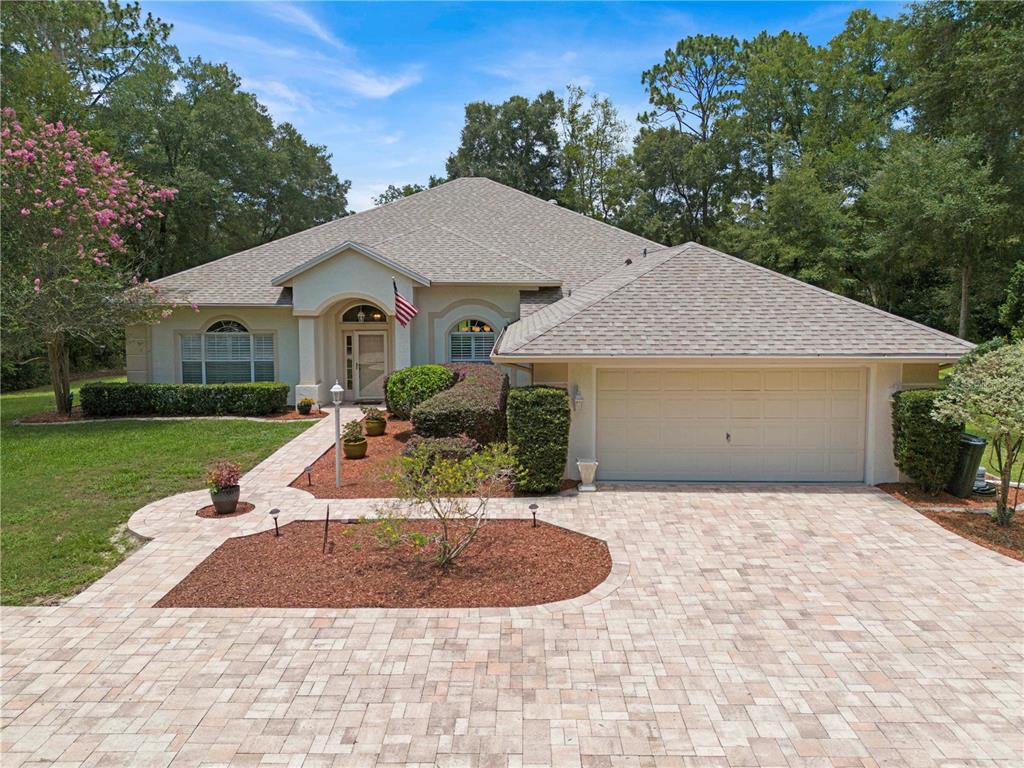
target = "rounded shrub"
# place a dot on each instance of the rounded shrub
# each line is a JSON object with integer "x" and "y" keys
{"x": 538, "y": 431}
{"x": 473, "y": 406}
{"x": 924, "y": 448}
{"x": 407, "y": 388}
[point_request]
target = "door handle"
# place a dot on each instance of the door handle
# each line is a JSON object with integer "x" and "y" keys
{"x": 728, "y": 437}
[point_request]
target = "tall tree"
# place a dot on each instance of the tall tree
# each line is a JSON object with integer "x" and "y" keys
{"x": 685, "y": 145}
{"x": 61, "y": 59}
{"x": 515, "y": 142}
{"x": 592, "y": 139}
{"x": 779, "y": 75}
{"x": 932, "y": 205}
{"x": 68, "y": 212}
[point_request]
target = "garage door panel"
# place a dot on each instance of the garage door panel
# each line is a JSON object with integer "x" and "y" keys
{"x": 745, "y": 408}
{"x": 610, "y": 379}
{"x": 783, "y": 424}
{"x": 679, "y": 380}
{"x": 643, "y": 380}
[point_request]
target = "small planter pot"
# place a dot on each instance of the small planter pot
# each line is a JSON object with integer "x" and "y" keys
{"x": 305, "y": 409}
{"x": 375, "y": 428}
{"x": 225, "y": 501}
{"x": 354, "y": 450}
{"x": 588, "y": 470}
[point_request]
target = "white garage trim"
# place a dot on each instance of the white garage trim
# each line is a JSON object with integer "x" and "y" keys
{"x": 742, "y": 423}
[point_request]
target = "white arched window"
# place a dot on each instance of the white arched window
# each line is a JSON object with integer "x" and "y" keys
{"x": 227, "y": 352}
{"x": 471, "y": 341}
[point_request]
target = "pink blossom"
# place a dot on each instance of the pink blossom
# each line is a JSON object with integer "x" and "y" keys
{"x": 36, "y": 283}
{"x": 116, "y": 242}
{"x": 25, "y": 211}
{"x": 195, "y": 308}
{"x": 57, "y": 231}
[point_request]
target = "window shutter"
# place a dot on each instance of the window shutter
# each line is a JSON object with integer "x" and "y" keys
{"x": 483, "y": 343}
{"x": 263, "y": 355}
{"x": 460, "y": 347}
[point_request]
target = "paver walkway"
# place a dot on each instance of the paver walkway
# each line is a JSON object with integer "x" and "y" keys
{"x": 741, "y": 626}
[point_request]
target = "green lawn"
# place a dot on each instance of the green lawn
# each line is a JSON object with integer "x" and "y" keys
{"x": 67, "y": 491}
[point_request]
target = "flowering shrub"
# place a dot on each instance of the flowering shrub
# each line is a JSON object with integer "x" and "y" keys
{"x": 474, "y": 406}
{"x": 68, "y": 213}
{"x": 223, "y": 474}
{"x": 989, "y": 393}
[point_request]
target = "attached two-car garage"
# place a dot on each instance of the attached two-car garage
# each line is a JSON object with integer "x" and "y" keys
{"x": 791, "y": 424}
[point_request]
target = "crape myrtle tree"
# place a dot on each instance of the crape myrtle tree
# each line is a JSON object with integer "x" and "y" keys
{"x": 68, "y": 214}
{"x": 988, "y": 391}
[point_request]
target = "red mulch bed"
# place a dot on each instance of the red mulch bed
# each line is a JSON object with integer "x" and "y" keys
{"x": 210, "y": 511}
{"x": 368, "y": 477}
{"x": 509, "y": 563}
{"x": 978, "y": 528}
{"x": 52, "y": 417}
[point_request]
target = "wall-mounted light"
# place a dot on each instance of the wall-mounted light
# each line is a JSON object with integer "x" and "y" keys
{"x": 577, "y": 397}
{"x": 360, "y": 316}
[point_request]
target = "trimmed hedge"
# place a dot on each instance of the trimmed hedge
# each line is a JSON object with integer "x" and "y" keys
{"x": 924, "y": 448}
{"x": 451, "y": 448}
{"x": 128, "y": 399}
{"x": 407, "y": 388}
{"x": 474, "y": 406}
{"x": 538, "y": 431}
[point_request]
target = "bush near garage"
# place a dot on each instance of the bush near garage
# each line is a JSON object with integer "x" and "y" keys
{"x": 474, "y": 406}
{"x": 407, "y": 388}
{"x": 538, "y": 431}
{"x": 110, "y": 399}
{"x": 450, "y": 448}
{"x": 926, "y": 449}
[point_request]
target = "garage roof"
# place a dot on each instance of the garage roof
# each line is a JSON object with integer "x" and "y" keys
{"x": 691, "y": 300}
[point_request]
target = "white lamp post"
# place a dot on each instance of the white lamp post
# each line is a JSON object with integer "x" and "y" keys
{"x": 336, "y": 392}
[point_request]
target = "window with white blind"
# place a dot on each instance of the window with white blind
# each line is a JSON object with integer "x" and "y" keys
{"x": 471, "y": 341}
{"x": 227, "y": 353}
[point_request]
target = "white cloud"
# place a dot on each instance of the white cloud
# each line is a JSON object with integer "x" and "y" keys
{"x": 297, "y": 17}
{"x": 535, "y": 71}
{"x": 371, "y": 85}
{"x": 283, "y": 101}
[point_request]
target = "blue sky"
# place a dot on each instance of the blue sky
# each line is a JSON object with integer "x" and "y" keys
{"x": 383, "y": 85}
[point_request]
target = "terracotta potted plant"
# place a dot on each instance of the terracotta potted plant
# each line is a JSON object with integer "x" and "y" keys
{"x": 352, "y": 441}
{"x": 305, "y": 406}
{"x": 376, "y": 421}
{"x": 222, "y": 479}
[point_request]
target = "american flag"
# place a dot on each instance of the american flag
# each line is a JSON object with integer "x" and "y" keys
{"x": 405, "y": 310}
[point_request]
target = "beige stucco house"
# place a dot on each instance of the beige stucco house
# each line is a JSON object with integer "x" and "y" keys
{"x": 683, "y": 363}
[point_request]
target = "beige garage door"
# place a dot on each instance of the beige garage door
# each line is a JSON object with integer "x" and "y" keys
{"x": 802, "y": 424}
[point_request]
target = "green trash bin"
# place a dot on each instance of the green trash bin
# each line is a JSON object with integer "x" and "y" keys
{"x": 971, "y": 450}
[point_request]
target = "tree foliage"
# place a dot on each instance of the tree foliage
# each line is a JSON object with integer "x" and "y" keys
{"x": 989, "y": 393}
{"x": 68, "y": 215}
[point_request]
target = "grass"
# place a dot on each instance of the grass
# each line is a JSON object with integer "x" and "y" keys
{"x": 68, "y": 490}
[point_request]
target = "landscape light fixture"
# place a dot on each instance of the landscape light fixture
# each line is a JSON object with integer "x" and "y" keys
{"x": 274, "y": 513}
{"x": 309, "y": 474}
{"x": 337, "y": 391}
{"x": 327, "y": 522}
{"x": 533, "y": 510}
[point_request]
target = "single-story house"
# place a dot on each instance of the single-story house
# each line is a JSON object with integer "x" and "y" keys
{"x": 683, "y": 363}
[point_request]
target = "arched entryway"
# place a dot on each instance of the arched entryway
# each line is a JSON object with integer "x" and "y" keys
{"x": 364, "y": 352}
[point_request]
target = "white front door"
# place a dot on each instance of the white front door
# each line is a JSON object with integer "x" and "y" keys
{"x": 801, "y": 424}
{"x": 371, "y": 357}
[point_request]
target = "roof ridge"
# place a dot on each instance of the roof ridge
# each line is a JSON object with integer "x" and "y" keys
{"x": 846, "y": 299}
{"x": 504, "y": 255}
{"x": 346, "y": 217}
{"x": 600, "y": 296}
{"x": 560, "y": 207}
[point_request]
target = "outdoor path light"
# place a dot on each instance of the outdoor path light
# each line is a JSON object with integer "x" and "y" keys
{"x": 533, "y": 510}
{"x": 336, "y": 392}
{"x": 274, "y": 513}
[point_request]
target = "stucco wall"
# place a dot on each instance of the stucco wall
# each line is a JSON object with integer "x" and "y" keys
{"x": 882, "y": 381}
{"x": 164, "y": 354}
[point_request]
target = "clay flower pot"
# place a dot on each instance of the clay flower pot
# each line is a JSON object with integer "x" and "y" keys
{"x": 225, "y": 500}
{"x": 354, "y": 450}
{"x": 375, "y": 427}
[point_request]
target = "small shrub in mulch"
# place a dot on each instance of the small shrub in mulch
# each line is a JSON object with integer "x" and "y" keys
{"x": 511, "y": 564}
{"x": 210, "y": 511}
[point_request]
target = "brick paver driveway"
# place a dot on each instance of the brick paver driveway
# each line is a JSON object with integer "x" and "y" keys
{"x": 743, "y": 626}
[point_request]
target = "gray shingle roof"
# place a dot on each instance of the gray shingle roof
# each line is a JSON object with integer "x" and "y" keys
{"x": 690, "y": 300}
{"x": 468, "y": 230}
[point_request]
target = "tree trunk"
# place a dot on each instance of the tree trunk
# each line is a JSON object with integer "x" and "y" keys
{"x": 1003, "y": 514}
{"x": 965, "y": 282}
{"x": 60, "y": 372}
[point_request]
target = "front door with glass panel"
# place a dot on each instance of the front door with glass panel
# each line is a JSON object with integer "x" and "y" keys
{"x": 370, "y": 354}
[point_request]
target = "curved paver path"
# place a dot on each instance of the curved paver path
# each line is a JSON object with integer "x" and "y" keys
{"x": 743, "y": 626}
